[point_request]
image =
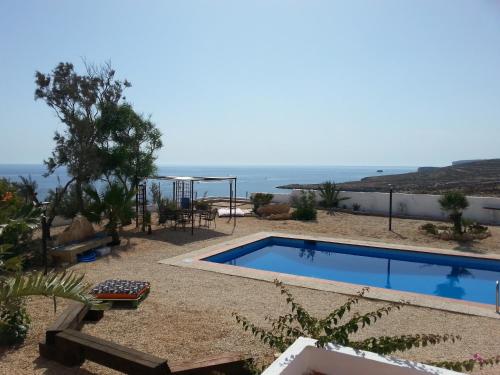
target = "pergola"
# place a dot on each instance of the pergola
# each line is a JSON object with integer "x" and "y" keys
{"x": 183, "y": 192}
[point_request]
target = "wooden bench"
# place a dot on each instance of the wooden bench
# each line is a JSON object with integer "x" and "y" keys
{"x": 227, "y": 364}
{"x": 76, "y": 347}
{"x": 68, "y": 253}
{"x": 65, "y": 344}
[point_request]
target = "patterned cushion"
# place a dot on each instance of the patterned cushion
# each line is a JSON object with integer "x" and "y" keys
{"x": 120, "y": 289}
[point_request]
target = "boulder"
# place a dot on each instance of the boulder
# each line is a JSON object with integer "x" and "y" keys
{"x": 80, "y": 229}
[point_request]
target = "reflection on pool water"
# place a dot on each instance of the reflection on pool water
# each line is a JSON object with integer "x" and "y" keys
{"x": 463, "y": 278}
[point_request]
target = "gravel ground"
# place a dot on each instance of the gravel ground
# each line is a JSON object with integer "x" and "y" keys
{"x": 188, "y": 312}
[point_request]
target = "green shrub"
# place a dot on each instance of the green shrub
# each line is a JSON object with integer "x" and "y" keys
{"x": 339, "y": 328}
{"x": 166, "y": 209}
{"x": 305, "y": 206}
{"x": 14, "y": 323}
{"x": 330, "y": 196}
{"x": 476, "y": 228}
{"x": 10, "y": 201}
{"x": 115, "y": 204}
{"x": 454, "y": 202}
{"x": 356, "y": 206}
{"x": 430, "y": 228}
{"x": 261, "y": 199}
{"x": 202, "y": 205}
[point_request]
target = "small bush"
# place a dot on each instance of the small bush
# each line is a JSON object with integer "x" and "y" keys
{"x": 273, "y": 209}
{"x": 166, "y": 209}
{"x": 202, "y": 205}
{"x": 14, "y": 323}
{"x": 305, "y": 207}
{"x": 356, "y": 206}
{"x": 330, "y": 196}
{"x": 261, "y": 199}
{"x": 430, "y": 228}
{"x": 454, "y": 202}
{"x": 473, "y": 231}
{"x": 477, "y": 228}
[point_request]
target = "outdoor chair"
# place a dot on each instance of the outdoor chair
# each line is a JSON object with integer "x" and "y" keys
{"x": 167, "y": 215}
{"x": 182, "y": 218}
{"x": 209, "y": 217}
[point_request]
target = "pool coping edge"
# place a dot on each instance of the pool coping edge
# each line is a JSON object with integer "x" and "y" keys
{"x": 194, "y": 260}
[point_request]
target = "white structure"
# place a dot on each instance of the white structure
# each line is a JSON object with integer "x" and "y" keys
{"x": 303, "y": 357}
{"x": 484, "y": 210}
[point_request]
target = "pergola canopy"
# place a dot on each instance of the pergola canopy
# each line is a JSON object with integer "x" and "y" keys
{"x": 192, "y": 178}
{"x": 181, "y": 182}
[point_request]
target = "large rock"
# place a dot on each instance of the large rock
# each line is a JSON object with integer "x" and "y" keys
{"x": 80, "y": 229}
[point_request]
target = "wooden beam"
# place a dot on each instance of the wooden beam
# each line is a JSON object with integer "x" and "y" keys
{"x": 72, "y": 318}
{"x": 78, "y": 346}
{"x": 227, "y": 364}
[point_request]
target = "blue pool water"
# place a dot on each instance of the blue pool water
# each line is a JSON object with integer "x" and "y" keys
{"x": 463, "y": 278}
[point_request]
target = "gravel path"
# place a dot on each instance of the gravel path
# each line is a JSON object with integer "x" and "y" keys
{"x": 188, "y": 313}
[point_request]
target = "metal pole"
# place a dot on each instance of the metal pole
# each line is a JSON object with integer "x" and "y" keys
{"x": 498, "y": 298}
{"x": 174, "y": 193}
{"x": 144, "y": 205}
{"x": 390, "y": 209}
{"x": 235, "y": 201}
{"x": 44, "y": 243}
{"x": 192, "y": 208}
{"x": 137, "y": 206}
{"x": 230, "y": 200}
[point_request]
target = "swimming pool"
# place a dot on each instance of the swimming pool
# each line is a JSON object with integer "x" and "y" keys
{"x": 458, "y": 277}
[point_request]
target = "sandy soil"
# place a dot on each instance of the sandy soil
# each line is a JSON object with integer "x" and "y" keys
{"x": 188, "y": 313}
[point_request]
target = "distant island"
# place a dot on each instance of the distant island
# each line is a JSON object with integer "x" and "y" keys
{"x": 480, "y": 177}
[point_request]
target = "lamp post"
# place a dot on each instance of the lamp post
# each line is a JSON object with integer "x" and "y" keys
{"x": 390, "y": 207}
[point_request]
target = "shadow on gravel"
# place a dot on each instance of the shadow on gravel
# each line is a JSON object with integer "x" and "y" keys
{"x": 468, "y": 247}
{"x": 177, "y": 237}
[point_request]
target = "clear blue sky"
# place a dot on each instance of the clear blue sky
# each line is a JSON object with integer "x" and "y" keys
{"x": 270, "y": 82}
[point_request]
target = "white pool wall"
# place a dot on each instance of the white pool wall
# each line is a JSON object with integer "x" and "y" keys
{"x": 419, "y": 206}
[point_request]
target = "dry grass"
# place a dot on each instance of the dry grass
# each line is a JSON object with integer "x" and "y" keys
{"x": 188, "y": 313}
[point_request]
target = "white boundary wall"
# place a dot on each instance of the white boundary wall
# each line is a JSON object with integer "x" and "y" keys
{"x": 411, "y": 205}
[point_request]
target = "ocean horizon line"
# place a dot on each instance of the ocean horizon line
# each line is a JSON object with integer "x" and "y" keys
{"x": 266, "y": 165}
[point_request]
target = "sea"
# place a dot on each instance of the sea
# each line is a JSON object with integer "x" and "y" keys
{"x": 249, "y": 178}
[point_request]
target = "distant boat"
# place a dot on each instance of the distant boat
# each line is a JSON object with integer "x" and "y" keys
{"x": 379, "y": 170}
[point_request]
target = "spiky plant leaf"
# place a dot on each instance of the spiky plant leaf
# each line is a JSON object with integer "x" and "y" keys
{"x": 64, "y": 285}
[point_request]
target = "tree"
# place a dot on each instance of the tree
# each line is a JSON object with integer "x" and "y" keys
{"x": 115, "y": 204}
{"x": 128, "y": 143}
{"x": 454, "y": 202}
{"x": 77, "y": 101}
{"x": 330, "y": 196}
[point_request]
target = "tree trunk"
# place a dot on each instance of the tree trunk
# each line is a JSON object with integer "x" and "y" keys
{"x": 115, "y": 237}
{"x": 79, "y": 195}
{"x": 457, "y": 222}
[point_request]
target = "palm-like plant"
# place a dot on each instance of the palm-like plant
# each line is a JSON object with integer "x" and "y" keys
{"x": 54, "y": 284}
{"x": 27, "y": 188}
{"x": 115, "y": 204}
{"x": 15, "y": 286}
{"x": 330, "y": 195}
{"x": 454, "y": 202}
{"x": 14, "y": 319}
